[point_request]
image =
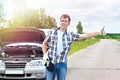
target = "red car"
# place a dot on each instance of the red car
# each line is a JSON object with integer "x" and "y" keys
{"x": 21, "y": 53}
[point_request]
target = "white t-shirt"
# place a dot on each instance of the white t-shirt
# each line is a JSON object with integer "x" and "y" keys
{"x": 59, "y": 43}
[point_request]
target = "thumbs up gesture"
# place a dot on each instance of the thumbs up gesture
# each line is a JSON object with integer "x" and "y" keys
{"x": 103, "y": 32}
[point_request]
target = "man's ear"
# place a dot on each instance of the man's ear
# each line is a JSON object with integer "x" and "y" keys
{"x": 69, "y": 23}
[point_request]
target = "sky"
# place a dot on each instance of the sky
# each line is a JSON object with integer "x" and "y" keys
{"x": 93, "y": 14}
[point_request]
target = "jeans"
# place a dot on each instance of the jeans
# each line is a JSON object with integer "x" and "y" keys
{"x": 60, "y": 70}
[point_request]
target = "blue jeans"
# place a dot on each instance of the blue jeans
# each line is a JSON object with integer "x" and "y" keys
{"x": 60, "y": 70}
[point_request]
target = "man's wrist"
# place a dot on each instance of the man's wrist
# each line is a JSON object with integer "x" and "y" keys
{"x": 44, "y": 54}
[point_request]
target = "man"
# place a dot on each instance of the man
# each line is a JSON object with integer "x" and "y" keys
{"x": 57, "y": 45}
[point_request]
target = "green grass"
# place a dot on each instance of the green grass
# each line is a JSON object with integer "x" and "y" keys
{"x": 78, "y": 45}
{"x": 117, "y": 39}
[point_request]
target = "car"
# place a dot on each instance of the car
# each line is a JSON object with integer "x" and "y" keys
{"x": 21, "y": 53}
{"x": 46, "y": 31}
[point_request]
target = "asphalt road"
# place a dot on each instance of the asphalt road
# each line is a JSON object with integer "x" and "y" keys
{"x": 100, "y": 61}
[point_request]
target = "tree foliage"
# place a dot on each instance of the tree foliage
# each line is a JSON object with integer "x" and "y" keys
{"x": 32, "y": 18}
{"x": 79, "y": 28}
{"x": 24, "y": 16}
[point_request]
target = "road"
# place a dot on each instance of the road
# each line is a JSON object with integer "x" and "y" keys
{"x": 100, "y": 61}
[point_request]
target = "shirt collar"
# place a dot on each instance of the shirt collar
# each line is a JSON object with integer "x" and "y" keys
{"x": 64, "y": 32}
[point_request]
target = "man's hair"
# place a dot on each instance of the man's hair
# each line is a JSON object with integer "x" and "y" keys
{"x": 66, "y": 16}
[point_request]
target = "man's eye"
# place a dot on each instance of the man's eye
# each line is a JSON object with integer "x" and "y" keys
{"x": 63, "y": 21}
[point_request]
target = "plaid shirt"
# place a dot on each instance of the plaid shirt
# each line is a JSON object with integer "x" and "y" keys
{"x": 67, "y": 39}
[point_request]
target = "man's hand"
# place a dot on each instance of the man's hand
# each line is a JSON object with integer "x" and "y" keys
{"x": 102, "y": 32}
{"x": 45, "y": 58}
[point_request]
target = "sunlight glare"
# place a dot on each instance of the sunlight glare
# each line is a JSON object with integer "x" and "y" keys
{"x": 9, "y": 7}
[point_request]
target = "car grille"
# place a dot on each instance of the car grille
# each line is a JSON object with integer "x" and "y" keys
{"x": 15, "y": 64}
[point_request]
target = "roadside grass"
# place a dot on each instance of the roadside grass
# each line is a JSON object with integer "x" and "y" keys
{"x": 78, "y": 45}
{"x": 117, "y": 39}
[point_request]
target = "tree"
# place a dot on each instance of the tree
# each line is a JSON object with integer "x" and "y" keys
{"x": 33, "y": 18}
{"x": 25, "y": 16}
{"x": 79, "y": 28}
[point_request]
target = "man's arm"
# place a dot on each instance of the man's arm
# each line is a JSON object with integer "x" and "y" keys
{"x": 92, "y": 34}
{"x": 44, "y": 50}
{"x": 89, "y": 35}
{"x": 44, "y": 47}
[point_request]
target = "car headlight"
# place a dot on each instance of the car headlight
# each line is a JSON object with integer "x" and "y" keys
{"x": 3, "y": 54}
{"x": 35, "y": 63}
{"x": 1, "y": 63}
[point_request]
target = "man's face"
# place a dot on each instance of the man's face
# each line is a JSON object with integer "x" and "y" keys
{"x": 64, "y": 22}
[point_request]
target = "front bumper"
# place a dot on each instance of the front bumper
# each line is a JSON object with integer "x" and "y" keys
{"x": 37, "y": 72}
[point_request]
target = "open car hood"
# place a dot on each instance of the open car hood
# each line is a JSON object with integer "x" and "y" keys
{"x": 16, "y": 35}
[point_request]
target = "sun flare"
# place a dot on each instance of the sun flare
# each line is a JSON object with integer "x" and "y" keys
{"x": 9, "y": 6}
{"x": 12, "y": 5}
